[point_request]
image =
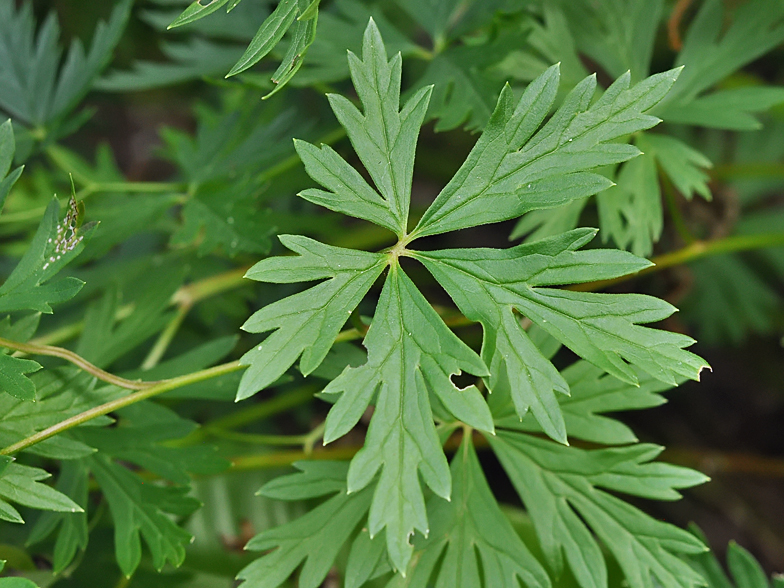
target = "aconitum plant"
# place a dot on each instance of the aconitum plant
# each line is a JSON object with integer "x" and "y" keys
{"x": 421, "y": 401}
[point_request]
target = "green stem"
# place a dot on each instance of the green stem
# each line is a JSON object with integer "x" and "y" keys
{"x": 293, "y": 160}
{"x": 135, "y": 187}
{"x": 732, "y": 171}
{"x": 255, "y": 439}
{"x": 77, "y": 360}
{"x": 696, "y": 250}
{"x": 675, "y": 212}
{"x": 279, "y": 459}
{"x": 217, "y": 284}
{"x": 165, "y": 338}
{"x": 113, "y": 405}
{"x": 263, "y": 410}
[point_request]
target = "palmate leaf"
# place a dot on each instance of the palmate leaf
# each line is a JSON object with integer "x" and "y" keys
{"x": 412, "y": 355}
{"x": 34, "y": 88}
{"x": 557, "y": 484}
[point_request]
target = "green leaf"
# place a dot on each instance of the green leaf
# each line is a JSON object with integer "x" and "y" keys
{"x": 314, "y": 479}
{"x": 410, "y": 352}
{"x": 12, "y": 376}
{"x": 745, "y": 570}
{"x": 22, "y": 484}
{"x": 140, "y": 508}
{"x": 489, "y": 285}
{"x": 682, "y": 164}
{"x": 187, "y": 60}
{"x": 711, "y": 52}
{"x": 471, "y": 542}
{"x": 730, "y": 300}
{"x": 315, "y": 538}
{"x": 631, "y": 211}
{"x": 593, "y": 393}
{"x": 341, "y": 28}
{"x": 465, "y": 83}
{"x": 7, "y": 149}
{"x": 302, "y": 15}
{"x": 616, "y": 34}
{"x": 34, "y": 88}
{"x": 139, "y": 438}
{"x": 727, "y": 109}
{"x": 513, "y": 169}
{"x": 52, "y": 247}
{"x": 557, "y": 484}
{"x": 307, "y": 323}
{"x": 196, "y": 11}
{"x": 384, "y": 139}
{"x": 73, "y": 534}
{"x": 540, "y": 224}
{"x": 15, "y": 582}
{"x": 60, "y": 394}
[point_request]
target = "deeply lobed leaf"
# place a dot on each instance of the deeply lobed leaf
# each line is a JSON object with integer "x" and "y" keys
{"x": 513, "y": 169}
{"x": 560, "y": 489}
{"x": 410, "y": 353}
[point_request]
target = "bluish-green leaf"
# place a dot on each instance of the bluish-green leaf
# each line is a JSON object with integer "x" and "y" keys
{"x": 410, "y": 351}
{"x": 513, "y": 169}
{"x": 307, "y": 323}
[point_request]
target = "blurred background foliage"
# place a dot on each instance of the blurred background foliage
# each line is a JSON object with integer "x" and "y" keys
{"x": 191, "y": 176}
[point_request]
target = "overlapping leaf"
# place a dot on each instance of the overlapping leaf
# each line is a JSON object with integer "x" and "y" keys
{"x": 560, "y": 488}
{"x": 22, "y": 484}
{"x": 489, "y": 285}
{"x": 34, "y": 88}
{"x": 471, "y": 543}
{"x": 593, "y": 393}
{"x": 143, "y": 510}
{"x": 314, "y": 538}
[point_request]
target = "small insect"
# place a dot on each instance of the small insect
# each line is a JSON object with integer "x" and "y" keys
{"x": 65, "y": 238}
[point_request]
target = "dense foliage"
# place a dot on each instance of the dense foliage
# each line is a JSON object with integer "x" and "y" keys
{"x": 461, "y": 432}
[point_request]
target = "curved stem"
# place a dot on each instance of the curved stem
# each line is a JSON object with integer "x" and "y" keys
{"x": 697, "y": 250}
{"x": 118, "y": 403}
{"x": 77, "y": 360}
